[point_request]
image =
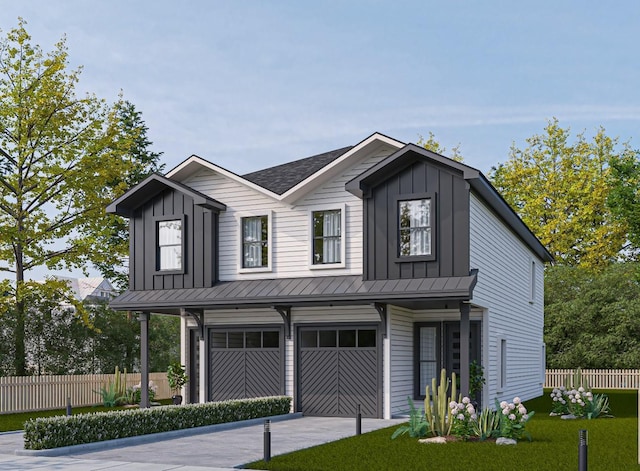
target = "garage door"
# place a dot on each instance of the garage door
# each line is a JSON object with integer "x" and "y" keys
{"x": 339, "y": 368}
{"x": 246, "y": 363}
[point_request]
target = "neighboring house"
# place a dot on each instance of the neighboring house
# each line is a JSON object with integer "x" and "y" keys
{"x": 90, "y": 289}
{"x": 350, "y": 277}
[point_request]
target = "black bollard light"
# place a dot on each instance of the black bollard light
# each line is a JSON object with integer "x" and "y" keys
{"x": 358, "y": 421}
{"x": 582, "y": 450}
{"x": 68, "y": 406}
{"x": 267, "y": 441}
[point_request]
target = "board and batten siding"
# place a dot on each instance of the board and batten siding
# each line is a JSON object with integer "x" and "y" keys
{"x": 291, "y": 225}
{"x": 512, "y": 312}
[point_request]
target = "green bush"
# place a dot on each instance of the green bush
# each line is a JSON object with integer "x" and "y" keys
{"x": 54, "y": 432}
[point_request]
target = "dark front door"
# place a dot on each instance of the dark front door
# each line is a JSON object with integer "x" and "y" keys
{"x": 339, "y": 369}
{"x": 246, "y": 363}
{"x": 452, "y": 345}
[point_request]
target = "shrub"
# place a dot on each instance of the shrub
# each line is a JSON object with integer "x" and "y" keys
{"x": 514, "y": 418}
{"x": 417, "y": 427}
{"x": 53, "y": 432}
{"x": 463, "y": 416}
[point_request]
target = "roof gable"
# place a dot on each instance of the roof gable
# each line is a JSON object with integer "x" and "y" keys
{"x": 152, "y": 186}
{"x": 292, "y": 181}
{"x": 361, "y": 186}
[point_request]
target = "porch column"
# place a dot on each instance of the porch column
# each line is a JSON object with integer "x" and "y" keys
{"x": 202, "y": 393}
{"x": 144, "y": 317}
{"x": 464, "y": 349}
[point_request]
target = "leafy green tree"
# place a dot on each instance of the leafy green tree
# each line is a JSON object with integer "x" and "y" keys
{"x": 560, "y": 189}
{"x": 624, "y": 196}
{"x": 432, "y": 144}
{"x": 592, "y": 318}
{"x": 63, "y": 158}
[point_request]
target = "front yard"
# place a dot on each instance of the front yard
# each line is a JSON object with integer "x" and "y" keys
{"x": 613, "y": 444}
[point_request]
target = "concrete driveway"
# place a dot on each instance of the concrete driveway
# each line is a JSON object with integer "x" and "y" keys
{"x": 222, "y": 448}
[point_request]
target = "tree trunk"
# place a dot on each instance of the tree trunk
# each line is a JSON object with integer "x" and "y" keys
{"x": 19, "y": 358}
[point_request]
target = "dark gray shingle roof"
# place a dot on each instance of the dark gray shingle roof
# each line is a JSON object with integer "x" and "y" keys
{"x": 283, "y": 177}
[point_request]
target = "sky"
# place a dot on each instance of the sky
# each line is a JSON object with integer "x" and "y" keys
{"x": 252, "y": 84}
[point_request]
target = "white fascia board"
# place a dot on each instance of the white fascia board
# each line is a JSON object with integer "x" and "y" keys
{"x": 370, "y": 144}
{"x": 194, "y": 163}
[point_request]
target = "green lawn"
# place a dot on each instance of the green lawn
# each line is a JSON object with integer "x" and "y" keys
{"x": 11, "y": 422}
{"x": 613, "y": 445}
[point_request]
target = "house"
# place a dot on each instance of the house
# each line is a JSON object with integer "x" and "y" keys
{"x": 343, "y": 279}
{"x": 93, "y": 289}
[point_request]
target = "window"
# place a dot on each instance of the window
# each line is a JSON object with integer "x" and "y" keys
{"x": 427, "y": 356}
{"x": 502, "y": 383}
{"x": 415, "y": 227}
{"x": 532, "y": 282}
{"x": 170, "y": 245}
{"x": 255, "y": 242}
{"x": 327, "y": 237}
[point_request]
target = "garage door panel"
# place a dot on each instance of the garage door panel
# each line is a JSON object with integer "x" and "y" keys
{"x": 263, "y": 373}
{"x": 334, "y": 377}
{"x": 319, "y": 384}
{"x": 227, "y": 375}
{"x": 358, "y": 382}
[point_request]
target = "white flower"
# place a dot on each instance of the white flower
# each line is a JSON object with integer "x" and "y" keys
{"x": 503, "y": 404}
{"x": 516, "y": 400}
{"x": 461, "y": 406}
{"x": 453, "y": 405}
{"x": 454, "y": 411}
{"x": 470, "y": 409}
{"x": 474, "y": 416}
{"x": 522, "y": 409}
{"x": 524, "y": 418}
{"x": 555, "y": 399}
{"x": 460, "y": 417}
{"x": 465, "y": 400}
{"x": 512, "y": 417}
{"x": 573, "y": 401}
{"x": 505, "y": 411}
{"x": 512, "y": 406}
{"x": 580, "y": 389}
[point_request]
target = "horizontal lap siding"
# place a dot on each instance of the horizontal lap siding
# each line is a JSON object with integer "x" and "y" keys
{"x": 401, "y": 360}
{"x": 503, "y": 288}
{"x": 291, "y": 224}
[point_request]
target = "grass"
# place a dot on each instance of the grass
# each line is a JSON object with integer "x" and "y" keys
{"x": 612, "y": 444}
{"x": 12, "y": 422}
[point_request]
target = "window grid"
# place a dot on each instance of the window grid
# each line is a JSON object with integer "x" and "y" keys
{"x": 255, "y": 242}
{"x": 327, "y": 236}
{"x": 415, "y": 227}
{"x": 170, "y": 244}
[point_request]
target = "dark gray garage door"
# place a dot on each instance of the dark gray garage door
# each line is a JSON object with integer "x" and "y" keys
{"x": 339, "y": 368}
{"x": 246, "y": 363}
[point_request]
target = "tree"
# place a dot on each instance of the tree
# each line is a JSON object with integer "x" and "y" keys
{"x": 624, "y": 196}
{"x": 560, "y": 190}
{"x": 63, "y": 158}
{"x": 432, "y": 144}
{"x": 592, "y": 319}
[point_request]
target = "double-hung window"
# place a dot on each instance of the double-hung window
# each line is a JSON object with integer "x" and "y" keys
{"x": 169, "y": 254}
{"x": 327, "y": 237}
{"x": 415, "y": 228}
{"x": 255, "y": 242}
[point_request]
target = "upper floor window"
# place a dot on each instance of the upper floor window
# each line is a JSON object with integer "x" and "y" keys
{"x": 255, "y": 242}
{"x": 415, "y": 227}
{"x": 170, "y": 244}
{"x": 327, "y": 237}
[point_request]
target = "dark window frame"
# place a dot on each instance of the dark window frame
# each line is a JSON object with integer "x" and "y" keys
{"x": 324, "y": 237}
{"x": 432, "y": 196}
{"x": 265, "y": 244}
{"x": 156, "y": 227}
{"x": 418, "y": 393}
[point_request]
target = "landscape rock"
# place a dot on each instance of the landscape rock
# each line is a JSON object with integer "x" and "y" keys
{"x": 506, "y": 441}
{"x": 433, "y": 440}
{"x": 568, "y": 417}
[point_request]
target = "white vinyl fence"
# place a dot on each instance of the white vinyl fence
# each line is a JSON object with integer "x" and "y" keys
{"x": 597, "y": 379}
{"x": 30, "y": 393}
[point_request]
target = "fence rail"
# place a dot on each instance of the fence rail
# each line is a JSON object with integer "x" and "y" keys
{"x": 597, "y": 379}
{"x": 31, "y": 393}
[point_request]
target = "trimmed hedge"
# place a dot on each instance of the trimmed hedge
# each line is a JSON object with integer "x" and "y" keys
{"x": 53, "y": 432}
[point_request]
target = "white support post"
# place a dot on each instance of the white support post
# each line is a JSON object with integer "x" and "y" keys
{"x": 386, "y": 376}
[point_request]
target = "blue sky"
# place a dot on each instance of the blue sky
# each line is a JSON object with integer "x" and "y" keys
{"x": 250, "y": 84}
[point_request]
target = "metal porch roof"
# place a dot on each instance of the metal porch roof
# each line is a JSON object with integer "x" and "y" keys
{"x": 306, "y": 291}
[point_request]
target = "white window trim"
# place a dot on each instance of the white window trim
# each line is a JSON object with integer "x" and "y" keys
{"x": 268, "y": 268}
{"x": 532, "y": 281}
{"x": 343, "y": 237}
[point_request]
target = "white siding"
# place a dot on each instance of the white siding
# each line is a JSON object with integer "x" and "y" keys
{"x": 503, "y": 290}
{"x": 401, "y": 359}
{"x": 291, "y": 243}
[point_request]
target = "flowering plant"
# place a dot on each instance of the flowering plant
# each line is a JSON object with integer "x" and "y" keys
{"x": 464, "y": 416}
{"x": 577, "y": 399}
{"x": 514, "y": 418}
{"x": 559, "y": 406}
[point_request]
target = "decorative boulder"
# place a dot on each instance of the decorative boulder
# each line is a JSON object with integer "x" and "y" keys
{"x": 568, "y": 417}
{"x": 506, "y": 441}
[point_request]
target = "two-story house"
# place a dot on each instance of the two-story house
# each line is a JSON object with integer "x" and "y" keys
{"x": 350, "y": 277}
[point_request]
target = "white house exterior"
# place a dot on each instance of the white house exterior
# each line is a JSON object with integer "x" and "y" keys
{"x": 344, "y": 279}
